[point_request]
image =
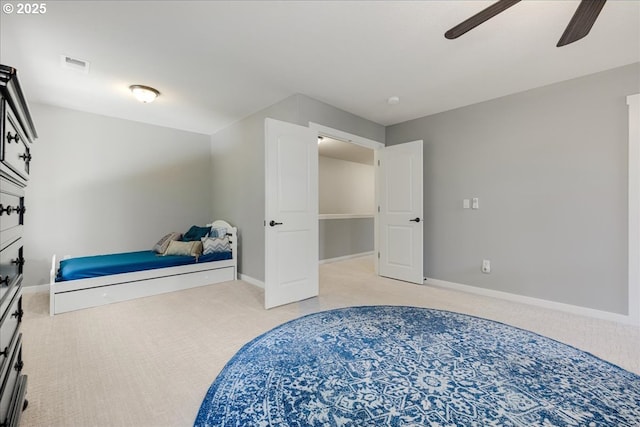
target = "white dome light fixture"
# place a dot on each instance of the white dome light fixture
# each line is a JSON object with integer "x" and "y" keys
{"x": 143, "y": 93}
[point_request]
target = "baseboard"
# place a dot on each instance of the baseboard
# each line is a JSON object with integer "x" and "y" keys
{"x": 568, "y": 308}
{"x": 346, "y": 257}
{"x": 250, "y": 280}
{"x": 35, "y": 289}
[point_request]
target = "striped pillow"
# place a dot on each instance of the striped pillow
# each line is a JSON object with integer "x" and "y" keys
{"x": 212, "y": 245}
{"x": 163, "y": 244}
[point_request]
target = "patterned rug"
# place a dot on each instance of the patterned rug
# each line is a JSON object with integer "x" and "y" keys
{"x": 408, "y": 366}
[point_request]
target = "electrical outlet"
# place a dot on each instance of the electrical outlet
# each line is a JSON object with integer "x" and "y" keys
{"x": 466, "y": 204}
{"x": 475, "y": 203}
{"x": 486, "y": 266}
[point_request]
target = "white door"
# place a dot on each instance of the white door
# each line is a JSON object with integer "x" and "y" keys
{"x": 400, "y": 218}
{"x": 291, "y": 209}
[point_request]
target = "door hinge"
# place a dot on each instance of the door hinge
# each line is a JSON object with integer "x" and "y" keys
{"x": 378, "y": 255}
{"x": 378, "y": 162}
{"x": 378, "y": 208}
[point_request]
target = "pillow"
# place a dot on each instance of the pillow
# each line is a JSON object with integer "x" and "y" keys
{"x": 212, "y": 245}
{"x": 163, "y": 243}
{"x": 184, "y": 248}
{"x": 195, "y": 233}
{"x": 218, "y": 232}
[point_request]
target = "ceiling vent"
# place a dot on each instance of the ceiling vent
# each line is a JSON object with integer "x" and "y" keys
{"x": 74, "y": 64}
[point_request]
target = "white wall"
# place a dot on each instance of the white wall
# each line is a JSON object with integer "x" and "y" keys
{"x": 345, "y": 187}
{"x": 101, "y": 185}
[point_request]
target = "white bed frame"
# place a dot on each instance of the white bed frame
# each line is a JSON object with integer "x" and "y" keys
{"x": 84, "y": 293}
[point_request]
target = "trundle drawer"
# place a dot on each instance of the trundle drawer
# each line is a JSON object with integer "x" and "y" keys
{"x": 9, "y": 323}
{"x": 9, "y": 383}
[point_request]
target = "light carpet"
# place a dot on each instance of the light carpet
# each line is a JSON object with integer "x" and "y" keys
{"x": 149, "y": 362}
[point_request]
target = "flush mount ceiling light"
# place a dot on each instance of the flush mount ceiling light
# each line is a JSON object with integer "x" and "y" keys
{"x": 143, "y": 93}
{"x": 394, "y": 100}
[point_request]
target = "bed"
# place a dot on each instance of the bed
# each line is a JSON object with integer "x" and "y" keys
{"x": 92, "y": 281}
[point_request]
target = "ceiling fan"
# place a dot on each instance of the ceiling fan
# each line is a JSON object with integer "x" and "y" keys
{"x": 578, "y": 27}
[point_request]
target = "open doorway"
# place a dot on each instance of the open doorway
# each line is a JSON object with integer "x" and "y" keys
{"x": 347, "y": 195}
{"x": 291, "y": 207}
{"x": 346, "y": 200}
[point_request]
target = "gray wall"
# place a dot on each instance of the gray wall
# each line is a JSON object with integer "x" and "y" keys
{"x": 238, "y": 168}
{"x": 550, "y": 169}
{"x": 102, "y": 185}
{"x": 312, "y": 110}
{"x": 343, "y": 237}
{"x": 238, "y": 159}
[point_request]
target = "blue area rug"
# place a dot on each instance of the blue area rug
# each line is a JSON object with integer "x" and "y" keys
{"x": 408, "y": 366}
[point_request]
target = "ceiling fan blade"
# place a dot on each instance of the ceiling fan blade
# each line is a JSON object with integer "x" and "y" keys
{"x": 582, "y": 21}
{"x": 479, "y": 18}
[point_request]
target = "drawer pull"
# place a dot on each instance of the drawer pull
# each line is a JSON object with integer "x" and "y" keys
{"x": 10, "y": 209}
{"x": 18, "y": 261}
{"x": 15, "y": 137}
{"x": 26, "y": 157}
{"x": 5, "y": 352}
{"x": 4, "y": 281}
{"x": 7, "y": 209}
{"x": 18, "y": 313}
{"x": 19, "y": 365}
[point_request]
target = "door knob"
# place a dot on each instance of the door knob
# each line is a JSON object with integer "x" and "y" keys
{"x": 273, "y": 223}
{"x": 415, "y": 220}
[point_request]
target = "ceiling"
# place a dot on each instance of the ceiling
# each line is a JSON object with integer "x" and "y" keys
{"x": 216, "y": 62}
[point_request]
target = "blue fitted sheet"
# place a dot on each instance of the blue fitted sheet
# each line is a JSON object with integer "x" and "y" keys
{"x": 105, "y": 265}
